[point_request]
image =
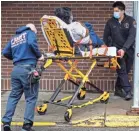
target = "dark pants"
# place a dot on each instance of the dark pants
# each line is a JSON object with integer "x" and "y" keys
{"x": 122, "y": 79}
{"x": 20, "y": 85}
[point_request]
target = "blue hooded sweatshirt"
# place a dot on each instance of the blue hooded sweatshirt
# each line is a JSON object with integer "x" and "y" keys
{"x": 23, "y": 47}
{"x": 93, "y": 36}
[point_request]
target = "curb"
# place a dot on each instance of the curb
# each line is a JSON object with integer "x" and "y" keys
{"x": 94, "y": 121}
{"x": 109, "y": 121}
{"x": 122, "y": 121}
{"x": 35, "y": 124}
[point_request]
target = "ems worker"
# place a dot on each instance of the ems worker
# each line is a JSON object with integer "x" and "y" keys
{"x": 23, "y": 50}
{"x": 120, "y": 31}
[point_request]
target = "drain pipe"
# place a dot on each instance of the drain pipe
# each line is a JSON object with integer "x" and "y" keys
{"x": 136, "y": 63}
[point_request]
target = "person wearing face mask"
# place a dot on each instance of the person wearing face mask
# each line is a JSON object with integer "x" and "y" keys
{"x": 81, "y": 31}
{"x": 120, "y": 31}
{"x": 23, "y": 50}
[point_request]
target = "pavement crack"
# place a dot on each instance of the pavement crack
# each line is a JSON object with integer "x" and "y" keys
{"x": 105, "y": 114}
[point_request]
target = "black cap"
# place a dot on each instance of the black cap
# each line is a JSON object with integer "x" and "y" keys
{"x": 63, "y": 13}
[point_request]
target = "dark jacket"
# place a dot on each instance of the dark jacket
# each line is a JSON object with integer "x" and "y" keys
{"x": 23, "y": 47}
{"x": 121, "y": 35}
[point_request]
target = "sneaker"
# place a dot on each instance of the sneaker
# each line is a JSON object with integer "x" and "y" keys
{"x": 6, "y": 127}
{"x": 27, "y": 127}
{"x": 128, "y": 96}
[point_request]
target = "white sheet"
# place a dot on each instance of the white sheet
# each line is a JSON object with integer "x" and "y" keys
{"x": 111, "y": 52}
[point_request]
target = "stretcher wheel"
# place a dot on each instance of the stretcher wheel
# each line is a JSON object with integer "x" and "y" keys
{"x": 104, "y": 101}
{"x": 68, "y": 115}
{"x": 42, "y": 109}
{"x": 81, "y": 94}
{"x": 105, "y": 97}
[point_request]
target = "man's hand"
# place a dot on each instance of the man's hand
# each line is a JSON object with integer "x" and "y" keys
{"x": 41, "y": 58}
{"x": 121, "y": 53}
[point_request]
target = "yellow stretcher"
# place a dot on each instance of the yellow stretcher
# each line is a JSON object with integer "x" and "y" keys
{"x": 62, "y": 49}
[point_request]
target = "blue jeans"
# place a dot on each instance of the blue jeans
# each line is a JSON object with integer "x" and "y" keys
{"x": 20, "y": 85}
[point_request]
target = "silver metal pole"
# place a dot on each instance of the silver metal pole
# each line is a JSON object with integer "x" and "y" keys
{"x": 135, "y": 7}
{"x": 136, "y": 65}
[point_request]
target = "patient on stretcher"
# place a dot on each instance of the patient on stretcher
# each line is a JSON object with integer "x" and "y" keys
{"x": 81, "y": 34}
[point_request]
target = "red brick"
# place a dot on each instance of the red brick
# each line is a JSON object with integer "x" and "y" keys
{"x": 18, "y": 13}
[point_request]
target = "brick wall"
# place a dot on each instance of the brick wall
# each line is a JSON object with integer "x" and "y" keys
{"x": 15, "y": 14}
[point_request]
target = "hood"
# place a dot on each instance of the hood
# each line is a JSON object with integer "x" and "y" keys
{"x": 21, "y": 29}
{"x": 32, "y": 27}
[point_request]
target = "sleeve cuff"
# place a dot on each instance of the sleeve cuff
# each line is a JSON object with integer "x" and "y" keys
{"x": 39, "y": 55}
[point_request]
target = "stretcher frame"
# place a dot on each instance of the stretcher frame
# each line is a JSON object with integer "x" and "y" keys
{"x": 59, "y": 44}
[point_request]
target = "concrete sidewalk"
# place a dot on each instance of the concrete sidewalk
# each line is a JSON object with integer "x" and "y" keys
{"x": 112, "y": 114}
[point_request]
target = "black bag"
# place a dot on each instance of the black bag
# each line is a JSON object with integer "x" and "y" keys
{"x": 34, "y": 76}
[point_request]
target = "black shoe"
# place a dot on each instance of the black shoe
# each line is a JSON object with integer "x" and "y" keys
{"x": 120, "y": 92}
{"x": 27, "y": 127}
{"x": 6, "y": 127}
{"x": 128, "y": 96}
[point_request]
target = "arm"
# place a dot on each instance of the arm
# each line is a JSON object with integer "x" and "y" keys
{"x": 130, "y": 40}
{"x": 80, "y": 29}
{"x": 131, "y": 37}
{"x": 91, "y": 32}
{"x": 107, "y": 34}
{"x": 7, "y": 52}
{"x": 32, "y": 41}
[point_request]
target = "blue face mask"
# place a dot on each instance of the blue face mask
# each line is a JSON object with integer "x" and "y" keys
{"x": 116, "y": 15}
